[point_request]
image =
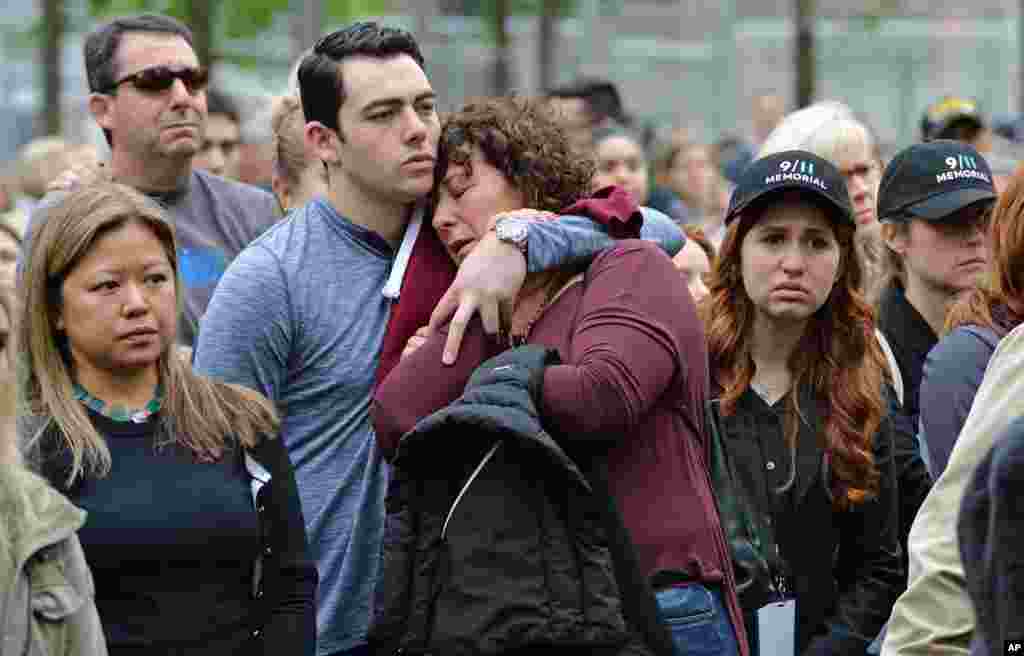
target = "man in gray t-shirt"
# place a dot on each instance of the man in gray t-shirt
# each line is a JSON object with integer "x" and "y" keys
{"x": 148, "y": 94}
{"x": 215, "y": 219}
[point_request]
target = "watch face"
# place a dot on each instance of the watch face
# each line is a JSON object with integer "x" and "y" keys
{"x": 512, "y": 231}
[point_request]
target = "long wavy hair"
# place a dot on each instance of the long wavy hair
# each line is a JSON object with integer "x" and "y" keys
{"x": 998, "y": 303}
{"x": 202, "y": 415}
{"x": 837, "y": 357}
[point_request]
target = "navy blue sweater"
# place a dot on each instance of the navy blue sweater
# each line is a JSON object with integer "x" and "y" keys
{"x": 172, "y": 545}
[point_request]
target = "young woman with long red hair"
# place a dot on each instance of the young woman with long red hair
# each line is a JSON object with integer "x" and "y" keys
{"x": 800, "y": 413}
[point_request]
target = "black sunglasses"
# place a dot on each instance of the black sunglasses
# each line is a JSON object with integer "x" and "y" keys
{"x": 160, "y": 78}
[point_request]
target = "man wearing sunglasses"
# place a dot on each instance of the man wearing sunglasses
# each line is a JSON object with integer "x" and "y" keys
{"x": 148, "y": 94}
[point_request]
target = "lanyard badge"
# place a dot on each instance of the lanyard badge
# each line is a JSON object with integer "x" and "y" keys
{"x": 776, "y": 628}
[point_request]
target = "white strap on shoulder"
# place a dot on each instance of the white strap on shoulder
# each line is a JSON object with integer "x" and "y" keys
{"x": 393, "y": 287}
{"x": 894, "y": 367}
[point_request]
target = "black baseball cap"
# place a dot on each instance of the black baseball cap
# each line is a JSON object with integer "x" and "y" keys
{"x": 948, "y": 111}
{"x": 932, "y": 181}
{"x": 792, "y": 170}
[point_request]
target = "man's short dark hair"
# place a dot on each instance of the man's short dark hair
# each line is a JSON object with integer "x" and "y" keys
{"x": 101, "y": 45}
{"x": 320, "y": 83}
{"x": 601, "y": 97}
{"x": 218, "y": 102}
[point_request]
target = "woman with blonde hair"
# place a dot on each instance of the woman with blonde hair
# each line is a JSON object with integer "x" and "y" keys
{"x": 46, "y": 590}
{"x": 800, "y": 414}
{"x": 194, "y": 531}
{"x": 298, "y": 176}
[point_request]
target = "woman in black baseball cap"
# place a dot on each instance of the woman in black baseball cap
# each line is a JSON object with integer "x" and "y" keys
{"x": 800, "y": 412}
{"x": 934, "y": 202}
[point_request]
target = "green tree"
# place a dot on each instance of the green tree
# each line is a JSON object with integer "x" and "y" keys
{"x": 805, "y": 53}
{"x": 502, "y": 55}
{"x": 213, "y": 23}
{"x": 50, "y": 63}
{"x": 551, "y": 11}
{"x": 495, "y": 14}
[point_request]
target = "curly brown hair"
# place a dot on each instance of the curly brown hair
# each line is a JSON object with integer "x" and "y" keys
{"x": 838, "y": 357}
{"x": 525, "y": 142}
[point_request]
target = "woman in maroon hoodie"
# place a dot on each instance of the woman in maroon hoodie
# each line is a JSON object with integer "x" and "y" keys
{"x": 633, "y": 378}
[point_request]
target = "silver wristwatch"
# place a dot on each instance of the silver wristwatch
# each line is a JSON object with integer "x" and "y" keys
{"x": 513, "y": 231}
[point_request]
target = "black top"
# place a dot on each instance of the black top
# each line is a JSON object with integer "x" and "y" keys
{"x": 843, "y": 568}
{"x": 172, "y": 545}
{"x": 911, "y": 338}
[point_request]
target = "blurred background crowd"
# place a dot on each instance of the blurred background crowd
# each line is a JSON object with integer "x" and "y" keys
{"x": 699, "y": 84}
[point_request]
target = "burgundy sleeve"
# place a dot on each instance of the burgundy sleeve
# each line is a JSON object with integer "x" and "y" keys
{"x": 420, "y": 385}
{"x": 433, "y": 270}
{"x": 624, "y": 348}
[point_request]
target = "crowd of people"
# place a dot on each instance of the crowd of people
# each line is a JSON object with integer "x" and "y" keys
{"x": 512, "y": 380}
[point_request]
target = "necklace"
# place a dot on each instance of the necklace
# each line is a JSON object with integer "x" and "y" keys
{"x": 553, "y": 292}
{"x": 118, "y": 412}
{"x": 519, "y": 339}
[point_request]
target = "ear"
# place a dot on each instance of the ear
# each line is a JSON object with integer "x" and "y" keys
{"x": 322, "y": 142}
{"x": 101, "y": 106}
{"x": 59, "y": 324}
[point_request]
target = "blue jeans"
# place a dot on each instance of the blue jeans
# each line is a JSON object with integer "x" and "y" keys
{"x": 699, "y": 621}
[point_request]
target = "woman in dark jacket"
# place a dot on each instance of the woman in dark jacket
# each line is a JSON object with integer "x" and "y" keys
{"x": 194, "y": 535}
{"x": 955, "y": 367}
{"x": 626, "y": 401}
{"x": 800, "y": 413}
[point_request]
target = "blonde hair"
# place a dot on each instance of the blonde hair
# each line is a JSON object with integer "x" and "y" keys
{"x": 198, "y": 413}
{"x": 829, "y": 129}
{"x": 39, "y": 162}
{"x": 287, "y": 123}
{"x": 891, "y": 269}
